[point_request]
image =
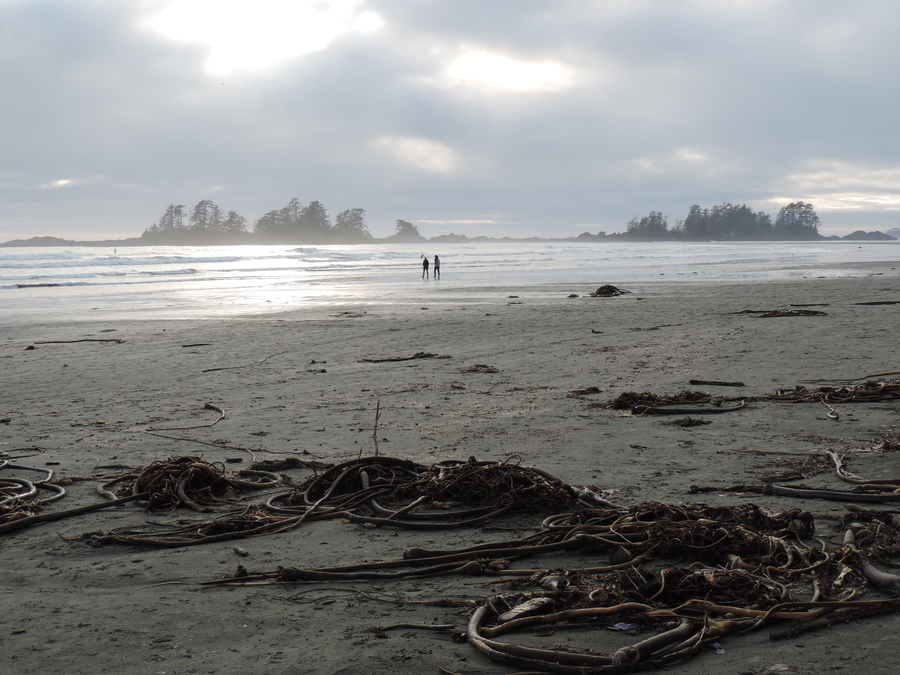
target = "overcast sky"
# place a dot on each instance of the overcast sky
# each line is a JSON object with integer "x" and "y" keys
{"x": 497, "y": 117}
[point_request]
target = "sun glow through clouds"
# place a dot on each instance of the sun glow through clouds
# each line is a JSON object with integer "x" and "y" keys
{"x": 502, "y": 72}
{"x": 422, "y": 153}
{"x": 253, "y": 34}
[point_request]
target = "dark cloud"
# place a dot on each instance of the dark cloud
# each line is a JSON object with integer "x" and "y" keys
{"x": 106, "y": 121}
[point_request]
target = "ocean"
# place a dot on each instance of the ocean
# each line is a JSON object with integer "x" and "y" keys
{"x": 196, "y": 282}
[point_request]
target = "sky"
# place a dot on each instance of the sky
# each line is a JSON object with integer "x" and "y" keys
{"x": 491, "y": 117}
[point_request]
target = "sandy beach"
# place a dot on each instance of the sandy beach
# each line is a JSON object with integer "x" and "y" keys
{"x": 305, "y": 384}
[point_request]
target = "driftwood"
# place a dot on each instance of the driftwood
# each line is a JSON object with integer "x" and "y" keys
{"x": 208, "y": 406}
{"x": 417, "y": 355}
{"x": 715, "y": 383}
{"x": 65, "y": 342}
{"x": 767, "y": 313}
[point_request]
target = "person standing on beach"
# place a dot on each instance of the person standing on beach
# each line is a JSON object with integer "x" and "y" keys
{"x": 437, "y": 267}
{"x": 424, "y": 267}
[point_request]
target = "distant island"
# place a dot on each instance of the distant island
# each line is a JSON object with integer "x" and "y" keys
{"x": 206, "y": 224}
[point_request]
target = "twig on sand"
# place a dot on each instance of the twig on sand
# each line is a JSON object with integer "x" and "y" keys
{"x": 717, "y": 383}
{"x": 417, "y": 355}
{"x": 215, "y": 445}
{"x": 208, "y": 406}
{"x": 249, "y": 365}
{"x": 65, "y": 342}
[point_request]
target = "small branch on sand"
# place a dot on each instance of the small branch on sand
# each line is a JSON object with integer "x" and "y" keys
{"x": 417, "y": 355}
{"x": 715, "y": 383}
{"x": 65, "y": 342}
{"x": 215, "y": 445}
{"x": 251, "y": 365}
{"x": 208, "y": 406}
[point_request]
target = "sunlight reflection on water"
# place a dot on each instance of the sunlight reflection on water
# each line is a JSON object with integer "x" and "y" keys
{"x": 216, "y": 281}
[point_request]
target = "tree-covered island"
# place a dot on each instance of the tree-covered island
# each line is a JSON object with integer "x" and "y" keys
{"x": 207, "y": 224}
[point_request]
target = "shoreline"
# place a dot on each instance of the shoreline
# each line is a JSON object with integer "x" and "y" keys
{"x": 297, "y": 384}
{"x": 63, "y": 303}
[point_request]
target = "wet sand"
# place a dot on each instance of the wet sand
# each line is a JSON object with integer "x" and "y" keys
{"x": 296, "y": 385}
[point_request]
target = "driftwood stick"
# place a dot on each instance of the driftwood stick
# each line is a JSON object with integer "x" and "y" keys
{"x": 716, "y": 383}
{"x": 208, "y": 406}
{"x": 65, "y": 342}
{"x": 417, "y": 355}
{"x": 249, "y": 365}
{"x": 375, "y": 428}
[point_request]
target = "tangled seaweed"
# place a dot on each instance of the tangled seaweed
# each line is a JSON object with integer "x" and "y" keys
{"x": 189, "y": 481}
{"x": 384, "y": 490}
{"x": 486, "y": 484}
{"x": 608, "y": 291}
{"x": 19, "y": 497}
{"x": 869, "y": 391}
{"x": 631, "y": 399}
{"x": 693, "y": 608}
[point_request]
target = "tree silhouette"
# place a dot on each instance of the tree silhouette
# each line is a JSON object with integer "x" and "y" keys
{"x": 351, "y": 224}
{"x": 652, "y": 226}
{"x": 797, "y": 221}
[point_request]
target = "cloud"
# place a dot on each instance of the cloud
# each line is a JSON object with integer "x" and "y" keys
{"x": 834, "y": 185}
{"x": 514, "y": 117}
{"x": 251, "y": 35}
{"x": 497, "y": 71}
{"x": 421, "y": 153}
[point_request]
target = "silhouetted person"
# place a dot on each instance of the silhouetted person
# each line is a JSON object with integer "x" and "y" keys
{"x": 424, "y": 267}
{"x": 437, "y": 267}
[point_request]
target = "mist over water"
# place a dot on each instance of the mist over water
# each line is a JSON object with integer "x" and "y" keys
{"x": 220, "y": 280}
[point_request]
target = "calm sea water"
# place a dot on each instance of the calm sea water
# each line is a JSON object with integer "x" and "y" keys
{"x": 172, "y": 281}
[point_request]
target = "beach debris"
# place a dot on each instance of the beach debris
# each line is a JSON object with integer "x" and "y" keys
{"x": 417, "y": 355}
{"x": 687, "y": 422}
{"x": 870, "y": 390}
{"x": 186, "y": 480}
{"x": 630, "y": 399}
{"x": 394, "y": 492}
{"x": 252, "y": 521}
{"x": 791, "y": 312}
{"x": 65, "y": 342}
{"x": 250, "y": 365}
{"x": 648, "y": 403}
{"x": 768, "y": 313}
{"x": 22, "y": 519}
{"x": 666, "y": 410}
{"x": 479, "y": 368}
{"x": 747, "y": 563}
{"x": 608, "y": 291}
{"x": 581, "y": 393}
{"x": 19, "y": 496}
{"x": 715, "y": 383}
{"x": 782, "y": 469}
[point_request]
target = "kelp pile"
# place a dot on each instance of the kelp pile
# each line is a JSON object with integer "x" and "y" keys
{"x": 630, "y": 399}
{"x": 870, "y": 391}
{"x": 188, "y": 481}
{"x": 20, "y": 497}
{"x": 399, "y": 493}
{"x": 370, "y": 490}
{"x": 739, "y": 570}
{"x": 865, "y": 392}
